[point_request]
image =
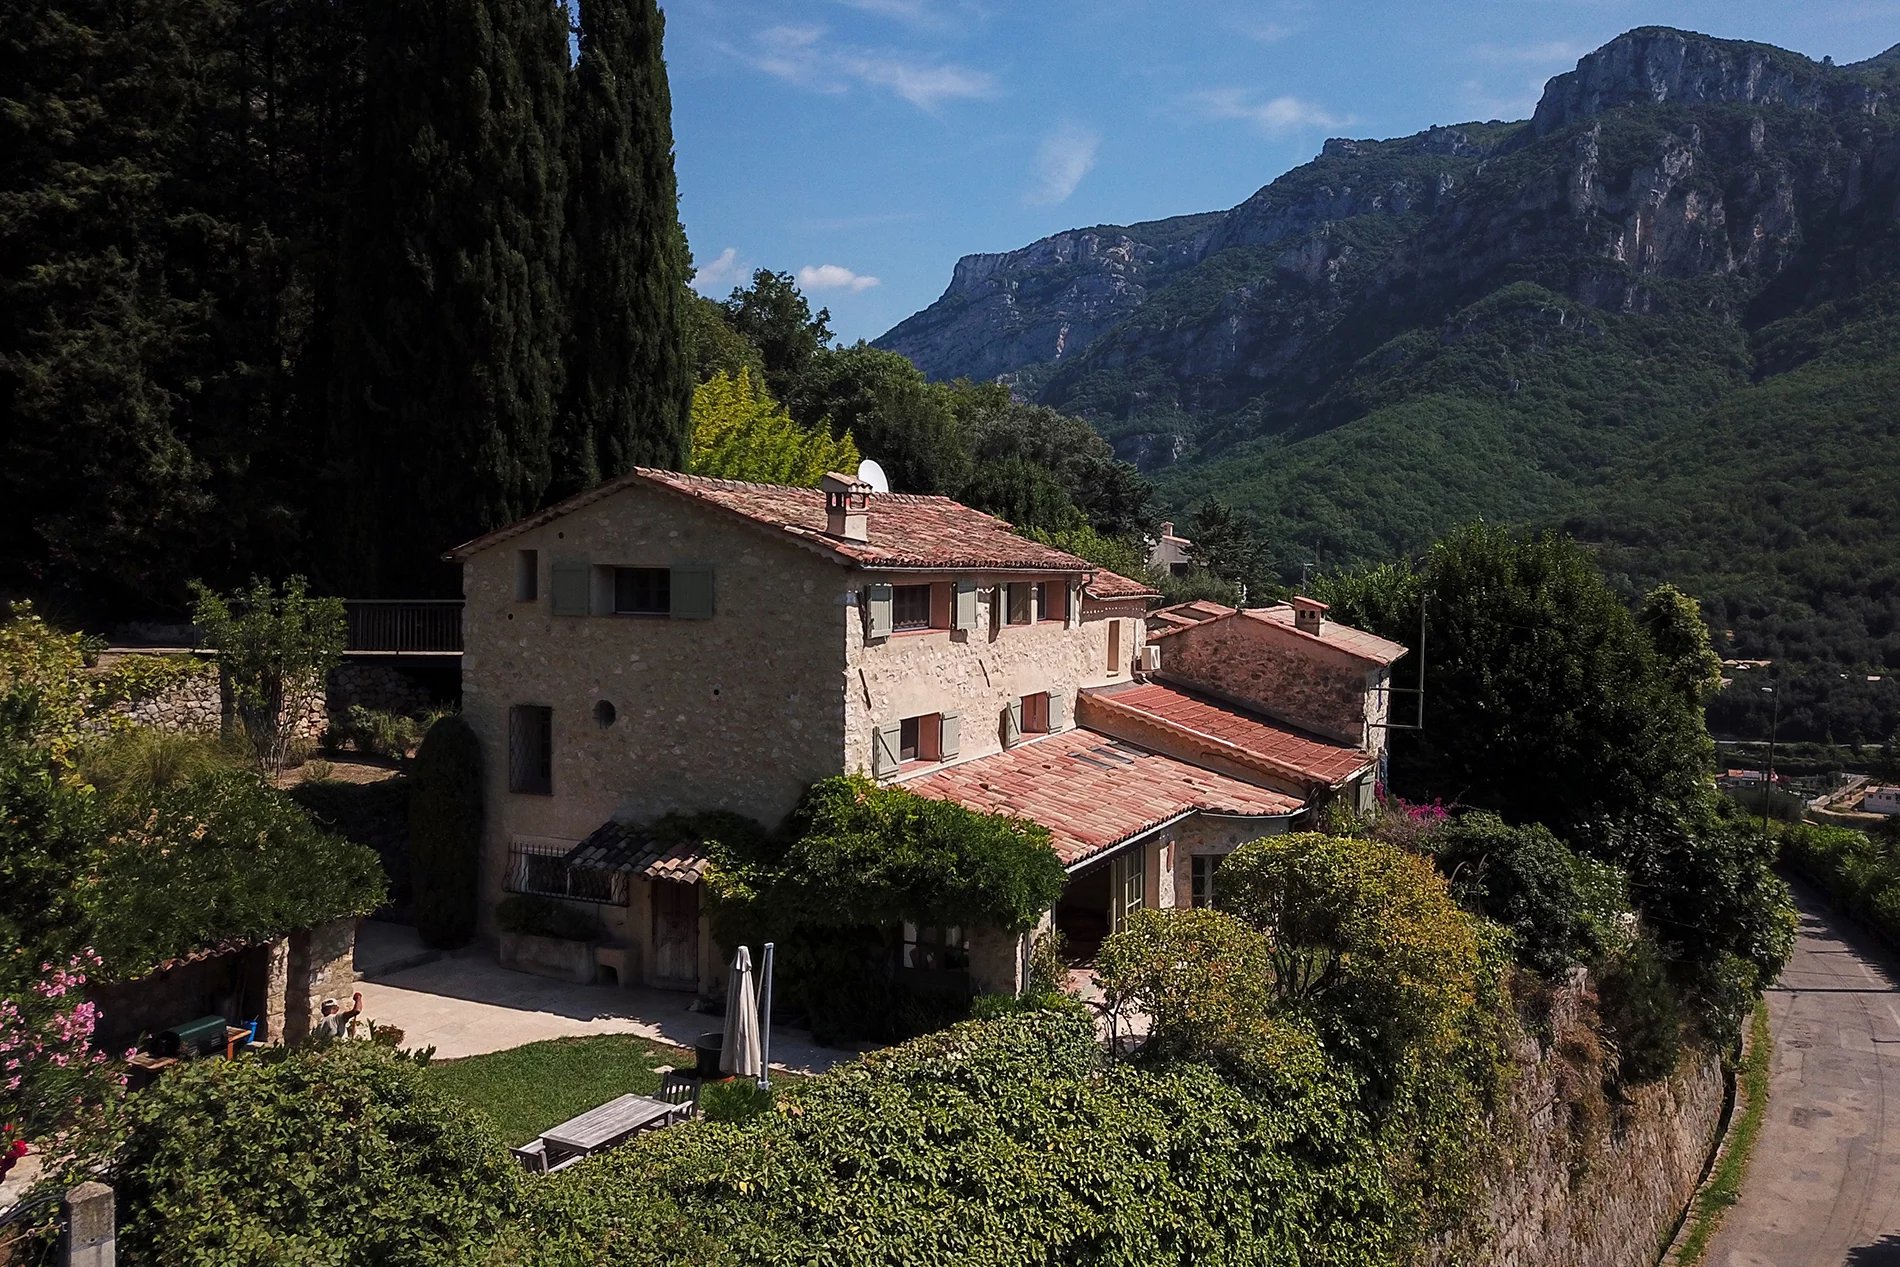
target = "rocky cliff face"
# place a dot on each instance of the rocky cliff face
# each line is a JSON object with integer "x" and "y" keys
{"x": 1664, "y": 161}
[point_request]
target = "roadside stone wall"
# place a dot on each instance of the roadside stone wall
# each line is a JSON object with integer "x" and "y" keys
{"x": 1589, "y": 1182}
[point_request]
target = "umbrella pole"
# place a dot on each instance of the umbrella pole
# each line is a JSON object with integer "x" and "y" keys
{"x": 765, "y": 1015}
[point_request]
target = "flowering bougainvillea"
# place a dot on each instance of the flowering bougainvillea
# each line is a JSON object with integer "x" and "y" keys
{"x": 52, "y": 1078}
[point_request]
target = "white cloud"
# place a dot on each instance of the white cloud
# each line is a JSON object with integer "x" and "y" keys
{"x": 727, "y": 270}
{"x": 915, "y": 12}
{"x": 1549, "y": 53}
{"x": 1275, "y": 117}
{"x": 1262, "y": 32}
{"x": 1062, "y": 160}
{"x": 802, "y": 56}
{"x": 833, "y": 277}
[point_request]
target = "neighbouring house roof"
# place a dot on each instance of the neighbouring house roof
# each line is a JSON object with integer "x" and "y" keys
{"x": 1166, "y": 622}
{"x": 1093, "y": 792}
{"x": 1112, "y": 585}
{"x": 1284, "y": 749}
{"x": 632, "y": 850}
{"x": 906, "y": 530}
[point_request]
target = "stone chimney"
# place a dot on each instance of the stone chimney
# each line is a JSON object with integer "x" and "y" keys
{"x": 1167, "y": 527}
{"x": 1309, "y": 614}
{"x": 847, "y": 506}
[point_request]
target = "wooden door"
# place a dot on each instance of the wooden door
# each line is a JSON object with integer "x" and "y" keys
{"x": 1127, "y": 885}
{"x": 675, "y": 934}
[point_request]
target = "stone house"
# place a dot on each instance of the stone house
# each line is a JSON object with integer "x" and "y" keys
{"x": 673, "y": 642}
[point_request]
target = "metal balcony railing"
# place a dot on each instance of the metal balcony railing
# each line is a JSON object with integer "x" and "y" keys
{"x": 403, "y": 626}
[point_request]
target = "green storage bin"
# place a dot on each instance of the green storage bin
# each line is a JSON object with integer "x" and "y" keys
{"x": 193, "y": 1038}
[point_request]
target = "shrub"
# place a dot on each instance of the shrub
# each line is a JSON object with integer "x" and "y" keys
{"x": 545, "y": 917}
{"x": 133, "y": 767}
{"x": 318, "y": 771}
{"x": 376, "y": 733}
{"x": 220, "y": 857}
{"x": 1642, "y": 1012}
{"x": 445, "y": 832}
{"x": 733, "y": 1100}
{"x": 334, "y": 1155}
{"x": 1561, "y": 908}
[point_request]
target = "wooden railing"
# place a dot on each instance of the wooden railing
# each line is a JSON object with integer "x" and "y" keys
{"x": 403, "y": 626}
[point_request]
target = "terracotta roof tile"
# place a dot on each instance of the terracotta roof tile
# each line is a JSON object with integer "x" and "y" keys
{"x": 1355, "y": 642}
{"x": 1109, "y": 585}
{"x": 1292, "y": 751}
{"x": 629, "y": 848}
{"x": 1092, "y": 791}
{"x": 907, "y": 530}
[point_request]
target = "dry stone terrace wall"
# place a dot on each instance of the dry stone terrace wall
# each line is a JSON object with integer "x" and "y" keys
{"x": 1589, "y": 1183}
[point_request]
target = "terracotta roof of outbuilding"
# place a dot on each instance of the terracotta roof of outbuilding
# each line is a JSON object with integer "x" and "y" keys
{"x": 625, "y": 847}
{"x": 1356, "y": 642}
{"x": 1165, "y": 620}
{"x": 1283, "y": 748}
{"x": 1112, "y": 585}
{"x": 1093, "y": 792}
{"x": 907, "y": 530}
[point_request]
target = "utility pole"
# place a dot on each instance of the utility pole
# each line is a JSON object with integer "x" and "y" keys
{"x": 1768, "y": 778}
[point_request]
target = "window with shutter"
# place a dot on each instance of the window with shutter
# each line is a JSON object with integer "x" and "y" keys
{"x": 1034, "y": 711}
{"x": 886, "y": 742}
{"x": 949, "y": 735}
{"x": 965, "y": 617}
{"x": 877, "y": 610}
{"x": 531, "y": 749}
{"x": 1013, "y": 723}
{"x": 527, "y": 575}
{"x": 1058, "y": 711}
{"x": 570, "y": 588}
{"x": 692, "y": 592}
{"x": 642, "y": 592}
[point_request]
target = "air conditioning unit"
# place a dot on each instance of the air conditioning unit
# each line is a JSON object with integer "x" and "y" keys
{"x": 1150, "y": 659}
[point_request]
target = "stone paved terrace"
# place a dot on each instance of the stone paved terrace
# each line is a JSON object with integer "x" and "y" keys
{"x": 467, "y": 1004}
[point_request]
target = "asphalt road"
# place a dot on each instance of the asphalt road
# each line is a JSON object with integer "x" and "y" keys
{"x": 1823, "y": 1189}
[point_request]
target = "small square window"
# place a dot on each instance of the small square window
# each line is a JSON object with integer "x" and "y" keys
{"x": 910, "y": 607}
{"x": 527, "y": 575}
{"x": 1052, "y": 601}
{"x": 1036, "y": 713}
{"x": 920, "y": 738}
{"x": 642, "y": 592}
{"x": 531, "y": 749}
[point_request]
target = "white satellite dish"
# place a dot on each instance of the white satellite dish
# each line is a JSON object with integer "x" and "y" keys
{"x": 869, "y": 472}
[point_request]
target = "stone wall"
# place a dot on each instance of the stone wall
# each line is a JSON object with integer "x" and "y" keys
{"x": 321, "y": 965}
{"x": 1589, "y": 1182}
{"x": 381, "y": 687}
{"x": 1282, "y": 673}
{"x": 201, "y": 703}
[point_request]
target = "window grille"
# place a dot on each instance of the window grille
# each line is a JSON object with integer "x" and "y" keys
{"x": 543, "y": 870}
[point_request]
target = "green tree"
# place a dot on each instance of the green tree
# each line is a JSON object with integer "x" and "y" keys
{"x": 445, "y": 832}
{"x": 275, "y": 650}
{"x": 1545, "y": 700}
{"x": 1228, "y": 545}
{"x": 771, "y": 314}
{"x": 450, "y": 367}
{"x": 741, "y": 433}
{"x": 716, "y": 347}
{"x": 629, "y": 375}
{"x": 1676, "y": 630}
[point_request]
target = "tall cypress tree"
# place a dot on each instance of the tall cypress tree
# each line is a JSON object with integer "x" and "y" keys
{"x": 630, "y": 377}
{"x": 451, "y": 320}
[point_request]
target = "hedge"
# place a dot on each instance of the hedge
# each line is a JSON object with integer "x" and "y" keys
{"x": 445, "y": 831}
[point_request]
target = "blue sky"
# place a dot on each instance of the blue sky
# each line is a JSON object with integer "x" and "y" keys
{"x": 864, "y": 145}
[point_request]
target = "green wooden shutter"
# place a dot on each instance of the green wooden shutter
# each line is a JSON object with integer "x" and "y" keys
{"x": 885, "y": 745}
{"x": 950, "y": 734}
{"x": 691, "y": 588}
{"x": 877, "y": 611}
{"x": 964, "y": 613}
{"x": 1058, "y": 711}
{"x": 1013, "y": 723}
{"x": 571, "y": 589}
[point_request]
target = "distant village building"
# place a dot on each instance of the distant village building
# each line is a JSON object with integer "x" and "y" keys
{"x": 1170, "y": 553}
{"x": 673, "y": 642}
{"x": 1881, "y": 800}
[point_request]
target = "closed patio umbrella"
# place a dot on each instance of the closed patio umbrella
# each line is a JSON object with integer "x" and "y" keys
{"x": 740, "y": 1055}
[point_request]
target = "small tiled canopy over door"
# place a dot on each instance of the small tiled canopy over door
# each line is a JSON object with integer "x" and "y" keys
{"x": 675, "y": 934}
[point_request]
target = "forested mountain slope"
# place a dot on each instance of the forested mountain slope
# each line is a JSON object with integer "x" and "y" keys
{"x": 1660, "y": 313}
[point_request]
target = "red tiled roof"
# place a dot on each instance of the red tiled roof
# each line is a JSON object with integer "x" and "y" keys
{"x": 1167, "y": 620}
{"x": 1355, "y": 642}
{"x": 907, "y": 530}
{"x": 1293, "y": 752}
{"x": 1092, "y": 792}
{"x": 1110, "y": 585}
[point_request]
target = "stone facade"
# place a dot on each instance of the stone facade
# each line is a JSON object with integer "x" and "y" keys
{"x": 321, "y": 965}
{"x": 782, "y": 686}
{"x": 1206, "y": 837}
{"x": 1284, "y": 674}
{"x": 1589, "y": 1183}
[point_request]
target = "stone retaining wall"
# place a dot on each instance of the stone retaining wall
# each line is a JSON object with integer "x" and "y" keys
{"x": 1589, "y": 1182}
{"x": 201, "y": 702}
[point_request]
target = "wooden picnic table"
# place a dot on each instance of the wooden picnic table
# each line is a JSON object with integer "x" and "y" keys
{"x": 609, "y": 1124}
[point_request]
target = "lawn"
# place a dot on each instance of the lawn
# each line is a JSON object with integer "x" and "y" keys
{"x": 527, "y": 1089}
